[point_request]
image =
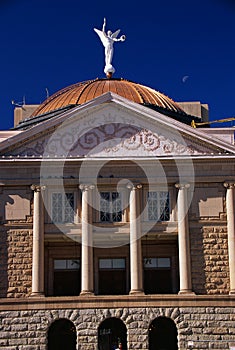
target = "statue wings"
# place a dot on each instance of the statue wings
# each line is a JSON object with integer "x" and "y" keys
{"x": 115, "y": 34}
{"x": 102, "y": 36}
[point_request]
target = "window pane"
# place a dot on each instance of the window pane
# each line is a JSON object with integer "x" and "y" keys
{"x": 116, "y": 207}
{"x": 153, "y": 206}
{"x": 73, "y": 264}
{"x": 150, "y": 263}
{"x": 57, "y": 207}
{"x": 119, "y": 263}
{"x": 158, "y": 206}
{"x": 59, "y": 264}
{"x": 164, "y": 262}
{"x": 110, "y": 207}
{"x": 104, "y": 206}
{"x": 105, "y": 263}
{"x": 164, "y": 206}
{"x": 62, "y": 207}
{"x": 69, "y": 207}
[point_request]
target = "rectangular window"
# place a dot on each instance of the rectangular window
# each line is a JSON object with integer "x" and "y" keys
{"x": 67, "y": 277}
{"x": 157, "y": 263}
{"x": 67, "y": 264}
{"x": 112, "y": 276}
{"x": 62, "y": 207}
{"x": 110, "y": 207}
{"x": 157, "y": 275}
{"x": 158, "y": 206}
{"x": 112, "y": 264}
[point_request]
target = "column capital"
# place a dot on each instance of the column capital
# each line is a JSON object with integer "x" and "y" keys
{"x": 229, "y": 185}
{"x": 182, "y": 186}
{"x": 38, "y": 188}
{"x": 133, "y": 187}
{"x": 85, "y": 187}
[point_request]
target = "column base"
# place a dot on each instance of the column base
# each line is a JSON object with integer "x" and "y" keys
{"x": 86, "y": 293}
{"x": 232, "y": 292}
{"x": 186, "y": 292}
{"x": 136, "y": 292}
{"x": 37, "y": 294}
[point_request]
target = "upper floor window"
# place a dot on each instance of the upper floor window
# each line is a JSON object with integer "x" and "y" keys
{"x": 158, "y": 206}
{"x": 110, "y": 207}
{"x": 62, "y": 207}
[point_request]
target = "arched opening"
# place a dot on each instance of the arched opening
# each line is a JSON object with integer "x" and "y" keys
{"x": 62, "y": 335}
{"x": 163, "y": 334}
{"x": 111, "y": 332}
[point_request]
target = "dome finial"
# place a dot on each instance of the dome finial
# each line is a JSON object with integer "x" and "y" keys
{"x": 107, "y": 40}
{"x": 109, "y": 75}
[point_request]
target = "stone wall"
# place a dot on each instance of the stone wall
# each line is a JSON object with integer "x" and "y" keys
{"x": 15, "y": 263}
{"x": 209, "y": 256}
{"x": 208, "y": 327}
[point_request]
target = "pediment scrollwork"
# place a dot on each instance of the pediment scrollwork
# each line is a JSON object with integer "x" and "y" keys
{"x": 116, "y": 139}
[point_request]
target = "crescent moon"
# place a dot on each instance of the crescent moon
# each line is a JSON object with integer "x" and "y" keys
{"x": 185, "y": 78}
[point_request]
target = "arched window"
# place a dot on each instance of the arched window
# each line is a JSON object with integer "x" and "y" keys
{"x": 163, "y": 334}
{"x": 62, "y": 335}
{"x": 111, "y": 332}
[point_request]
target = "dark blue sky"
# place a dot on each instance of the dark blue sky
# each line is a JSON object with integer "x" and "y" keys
{"x": 49, "y": 44}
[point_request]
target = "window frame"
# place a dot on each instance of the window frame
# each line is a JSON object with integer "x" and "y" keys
{"x": 123, "y": 197}
{"x": 170, "y": 204}
{"x": 75, "y": 205}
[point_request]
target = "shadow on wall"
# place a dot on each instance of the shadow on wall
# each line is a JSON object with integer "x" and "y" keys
{"x": 197, "y": 261}
{"x": 207, "y": 205}
{"x": 14, "y": 206}
{"x": 4, "y": 244}
{"x": 3, "y": 263}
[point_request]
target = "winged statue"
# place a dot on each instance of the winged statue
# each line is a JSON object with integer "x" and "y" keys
{"x": 108, "y": 40}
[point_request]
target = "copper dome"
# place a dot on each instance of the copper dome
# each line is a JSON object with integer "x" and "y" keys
{"x": 83, "y": 92}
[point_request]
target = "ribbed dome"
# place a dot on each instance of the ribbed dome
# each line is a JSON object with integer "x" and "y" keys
{"x": 80, "y": 93}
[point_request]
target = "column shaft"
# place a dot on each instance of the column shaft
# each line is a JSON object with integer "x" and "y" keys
{"x": 231, "y": 234}
{"x": 183, "y": 241}
{"x": 136, "y": 265}
{"x": 87, "y": 244}
{"x": 38, "y": 244}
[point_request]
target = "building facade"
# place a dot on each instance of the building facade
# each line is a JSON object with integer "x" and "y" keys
{"x": 116, "y": 224}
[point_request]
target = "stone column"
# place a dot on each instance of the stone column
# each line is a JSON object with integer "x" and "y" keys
{"x": 183, "y": 240}
{"x": 231, "y": 233}
{"x": 38, "y": 242}
{"x": 87, "y": 285}
{"x": 136, "y": 264}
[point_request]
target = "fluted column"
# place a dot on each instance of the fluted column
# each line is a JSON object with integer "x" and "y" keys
{"x": 38, "y": 242}
{"x": 136, "y": 265}
{"x": 87, "y": 285}
{"x": 231, "y": 233}
{"x": 183, "y": 240}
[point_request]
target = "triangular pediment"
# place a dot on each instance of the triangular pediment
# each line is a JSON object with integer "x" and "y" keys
{"x": 112, "y": 127}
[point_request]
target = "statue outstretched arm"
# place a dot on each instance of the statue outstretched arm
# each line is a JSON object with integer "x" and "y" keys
{"x": 122, "y": 38}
